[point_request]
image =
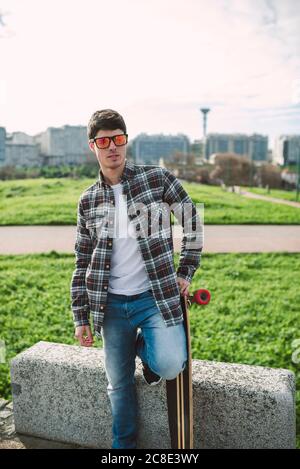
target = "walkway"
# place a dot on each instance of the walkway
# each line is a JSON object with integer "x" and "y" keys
{"x": 267, "y": 198}
{"x": 217, "y": 238}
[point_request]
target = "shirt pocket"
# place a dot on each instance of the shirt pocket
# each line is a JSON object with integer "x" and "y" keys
{"x": 97, "y": 225}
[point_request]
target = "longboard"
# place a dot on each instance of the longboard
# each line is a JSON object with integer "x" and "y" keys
{"x": 180, "y": 390}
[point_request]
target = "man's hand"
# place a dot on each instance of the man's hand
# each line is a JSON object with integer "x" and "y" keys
{"x": 84, "y": 335}
{"x": 183, "y": 286}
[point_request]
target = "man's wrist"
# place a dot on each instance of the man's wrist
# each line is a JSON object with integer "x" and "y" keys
{"x": 82, "y": 323}
{"x": 186, "y": 276}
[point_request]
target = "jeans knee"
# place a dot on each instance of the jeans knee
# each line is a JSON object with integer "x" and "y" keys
{"x": 169, "y": 369}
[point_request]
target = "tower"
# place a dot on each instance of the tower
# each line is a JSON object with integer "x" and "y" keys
{"x": 204, "y": 111}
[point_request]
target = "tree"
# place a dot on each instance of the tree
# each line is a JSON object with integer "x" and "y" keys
{"x": 269, "y": 175}
{"x": 233, "y": 169}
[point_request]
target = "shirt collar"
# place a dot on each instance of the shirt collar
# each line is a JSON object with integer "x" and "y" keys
{"x": 128, "y": 172}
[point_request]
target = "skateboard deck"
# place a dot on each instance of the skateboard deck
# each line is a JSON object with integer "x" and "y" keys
{"x": 180, "y": 390}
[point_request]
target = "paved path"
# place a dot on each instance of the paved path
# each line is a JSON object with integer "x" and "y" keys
{"x": 217, "y": 238}
{"x": 267, "y": 198}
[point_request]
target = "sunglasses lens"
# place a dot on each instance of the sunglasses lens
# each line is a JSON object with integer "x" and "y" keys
{"x": 120, "y": 139}
{"x": 102, "y": 142}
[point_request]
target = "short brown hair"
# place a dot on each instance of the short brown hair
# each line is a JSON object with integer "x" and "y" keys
{"x": 106, "y": 119}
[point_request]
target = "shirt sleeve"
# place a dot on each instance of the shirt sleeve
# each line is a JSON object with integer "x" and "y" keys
{"x": 186, "y": 213}
{"x": 83, "y": 252}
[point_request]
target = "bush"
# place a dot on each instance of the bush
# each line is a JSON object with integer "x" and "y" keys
{"x": 71, "y": 171}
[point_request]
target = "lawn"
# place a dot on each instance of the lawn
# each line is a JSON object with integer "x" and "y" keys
{"x": 54, "y": 202}
{"x": 253, "y": 317}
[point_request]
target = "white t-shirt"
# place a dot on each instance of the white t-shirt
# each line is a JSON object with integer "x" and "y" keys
{"x": 128, "y": 275}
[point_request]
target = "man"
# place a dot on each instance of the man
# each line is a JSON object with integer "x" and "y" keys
{"x": 125, "y": 277}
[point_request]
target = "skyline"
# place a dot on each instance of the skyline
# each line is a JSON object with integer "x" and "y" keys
{"x": 161, "y": 64}
{"x": 141, "y": 133}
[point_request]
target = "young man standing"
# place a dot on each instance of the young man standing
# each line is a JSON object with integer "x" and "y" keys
{"x": 125, "y": 277}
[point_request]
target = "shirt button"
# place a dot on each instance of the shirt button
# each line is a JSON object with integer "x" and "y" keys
{"x": 109, "y": 244}
{"x": 107, "y": 266}
{"x": 105, "y": 287}
{"x": 101, "y": 307}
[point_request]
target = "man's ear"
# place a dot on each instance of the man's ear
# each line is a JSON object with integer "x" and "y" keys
{"x": 91, "y": 145}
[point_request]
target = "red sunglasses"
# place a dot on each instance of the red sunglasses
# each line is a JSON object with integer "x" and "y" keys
{"x": 104, "y": 142}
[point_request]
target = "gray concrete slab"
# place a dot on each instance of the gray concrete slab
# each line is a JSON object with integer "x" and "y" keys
{"x": 60, "y": 394}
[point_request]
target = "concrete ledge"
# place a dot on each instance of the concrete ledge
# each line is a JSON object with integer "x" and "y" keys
{"x": 59, "y": 393}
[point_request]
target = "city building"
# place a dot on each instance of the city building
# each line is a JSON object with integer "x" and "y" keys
{"x": 148, "y": 149}
{"x": 64, "y": 145}
{"x": 2, "y": 145}
{"x": 287, "y": 150}
{"x": 22, "y": 155}
{"x": 21, "y": 150}
{"x": 253, "y": 146}
{"x": 20, "y": 138}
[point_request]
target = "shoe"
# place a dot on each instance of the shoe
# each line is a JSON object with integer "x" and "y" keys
{"x": 149, "y": 376}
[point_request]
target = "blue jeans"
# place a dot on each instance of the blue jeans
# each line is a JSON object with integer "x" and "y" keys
{"x": 162, "y": 348}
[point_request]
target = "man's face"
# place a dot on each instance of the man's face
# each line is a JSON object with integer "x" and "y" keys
{"x": 113, "y": 156}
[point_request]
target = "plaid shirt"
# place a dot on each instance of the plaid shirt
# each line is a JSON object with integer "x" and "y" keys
{"x": 148, "y": 185}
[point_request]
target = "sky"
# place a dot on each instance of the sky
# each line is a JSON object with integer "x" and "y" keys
{"x": 157, "y": 62}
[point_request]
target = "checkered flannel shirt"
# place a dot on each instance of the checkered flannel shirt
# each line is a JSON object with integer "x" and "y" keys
{"x": 148, "y": 185}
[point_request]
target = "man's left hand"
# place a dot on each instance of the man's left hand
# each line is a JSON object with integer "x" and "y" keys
{"x": 183, "y": 286}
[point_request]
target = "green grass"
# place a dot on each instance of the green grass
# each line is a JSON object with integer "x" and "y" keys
{"x": 40, "y": 201}
{"x": 277, "y": 193}
{"x": 253, "y": 317}
{"x": 229, "y": 208}
{"x": 54, "y": 202}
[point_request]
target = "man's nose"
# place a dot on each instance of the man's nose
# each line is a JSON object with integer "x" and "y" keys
{"x": 112, "y": 144}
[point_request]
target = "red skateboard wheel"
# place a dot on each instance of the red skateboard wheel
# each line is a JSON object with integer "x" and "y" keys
{"x": 201, "y": 297}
